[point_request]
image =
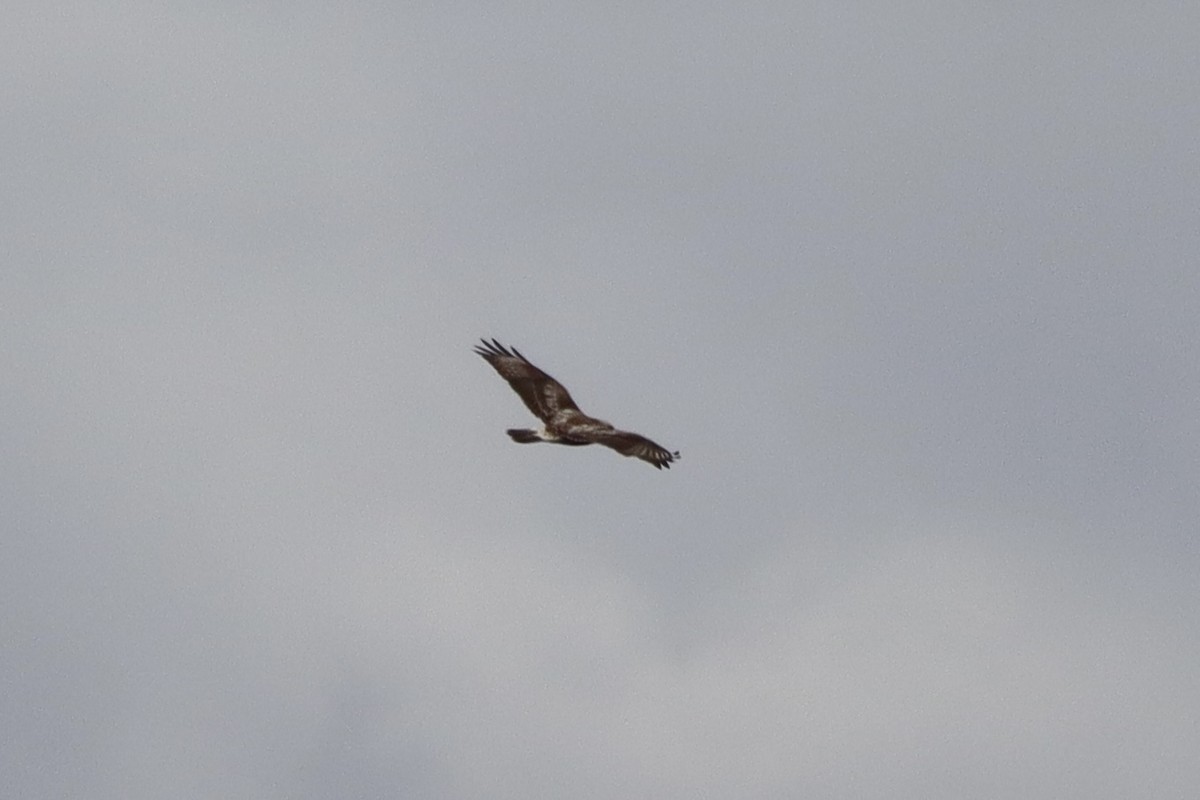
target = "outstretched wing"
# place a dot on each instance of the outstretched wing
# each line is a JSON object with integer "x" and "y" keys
{"x": 543, "y": 395}
{"x": 635, "y": 445}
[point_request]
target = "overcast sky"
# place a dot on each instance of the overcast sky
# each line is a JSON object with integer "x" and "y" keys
{"x": 914, "y": 287}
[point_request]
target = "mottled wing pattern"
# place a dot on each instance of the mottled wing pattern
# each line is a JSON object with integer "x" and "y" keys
{"x": 635, "y": 445}
{"x": 543, "y": 395}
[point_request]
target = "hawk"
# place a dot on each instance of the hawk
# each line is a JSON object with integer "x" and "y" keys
{"x": 563, "y": 422}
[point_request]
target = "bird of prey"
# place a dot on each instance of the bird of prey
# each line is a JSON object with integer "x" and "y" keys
{"x": 562, "y": 421}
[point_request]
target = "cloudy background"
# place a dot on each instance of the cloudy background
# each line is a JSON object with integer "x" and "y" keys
{"x": 912, "y": 286}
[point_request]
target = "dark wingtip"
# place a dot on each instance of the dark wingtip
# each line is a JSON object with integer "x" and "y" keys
{"x": 494, "y": 348}
{"x": 491, "y": 349}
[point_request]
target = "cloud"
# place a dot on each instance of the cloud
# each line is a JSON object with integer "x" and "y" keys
{"x": 911, "y": 289}
{"x": 481, "y": 665}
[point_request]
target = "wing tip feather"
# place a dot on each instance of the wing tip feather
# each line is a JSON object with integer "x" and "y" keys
{"x": 494, "y": 349}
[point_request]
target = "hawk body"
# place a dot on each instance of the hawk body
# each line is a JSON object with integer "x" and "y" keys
{"x": 562, "y": 421}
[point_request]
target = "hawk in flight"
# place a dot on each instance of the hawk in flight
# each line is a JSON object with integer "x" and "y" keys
{"x": 563, "y": 422}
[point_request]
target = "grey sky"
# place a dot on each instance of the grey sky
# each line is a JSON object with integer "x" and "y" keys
{"x": 912, "y": 286}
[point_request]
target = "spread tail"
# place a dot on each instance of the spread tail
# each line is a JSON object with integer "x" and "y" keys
{"x": 523, "y": 435}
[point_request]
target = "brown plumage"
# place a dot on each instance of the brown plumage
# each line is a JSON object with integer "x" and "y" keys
{"x": 563, "y": 422}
